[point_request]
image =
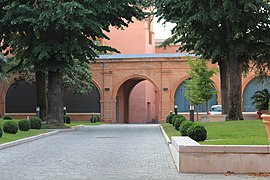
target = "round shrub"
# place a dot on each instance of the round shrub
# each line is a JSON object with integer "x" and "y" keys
{"x": 197, "y": 132}
{"x": 7, "y": 118}
{"x": 178, "y": 121}
{"x": 169, "y": 118}
{"x": 1, "y": 132}
{"x": 35, "y": 122}
{"x": 178, "y": 116}
{"x": 94, "y": 119}
{"x": 67, "y": 119}
{"x": 173, "y": 119}
{"x": 10, "y": 127}
{"x": 184, "y": 127}
{"x": 24, "y": 125}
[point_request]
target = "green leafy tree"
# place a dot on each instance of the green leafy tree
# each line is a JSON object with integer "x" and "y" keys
{"x": 261, "y": 99}
{"x": 52, "y": 35}
{"x": 229, "y": 32}
{"x": 199, "y": 88}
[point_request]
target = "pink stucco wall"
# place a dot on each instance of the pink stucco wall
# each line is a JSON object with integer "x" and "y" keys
{"x": 142, "y": 103}
{"x": 136, "y": 39}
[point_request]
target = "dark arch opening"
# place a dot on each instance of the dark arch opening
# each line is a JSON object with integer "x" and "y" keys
{"x": 21, "y": 98}
{"x": 83, "y": 103}
{"x": 256, "y": 84}
{"x": 183, "y": 105}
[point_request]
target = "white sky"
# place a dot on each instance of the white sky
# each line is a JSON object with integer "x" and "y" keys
{"x": 161, "y": 31}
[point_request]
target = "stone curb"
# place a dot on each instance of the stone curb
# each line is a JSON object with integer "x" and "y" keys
{"x": 167, "y": 139}
{"x": 33, "y": 138}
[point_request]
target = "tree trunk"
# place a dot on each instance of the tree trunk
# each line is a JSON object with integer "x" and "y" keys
{"x": 55, "y": 98}
{"x": 234, "y": 108}
{"x": 224, "y": 85}
{"x": 41, "y": 94}
{"x": 197, "y": 111}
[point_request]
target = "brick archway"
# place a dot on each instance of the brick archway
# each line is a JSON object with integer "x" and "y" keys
{"x": 147, "y": 96}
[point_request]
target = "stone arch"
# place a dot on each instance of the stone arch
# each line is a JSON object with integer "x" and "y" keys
{"x": 98, "y": 88}
{"x": 250, "y": 87}
{"x": 182, "y": 102}
{"x": 132, "y": 77}
{"x": 124, "y": 102}
{"x": 177, "y": 85}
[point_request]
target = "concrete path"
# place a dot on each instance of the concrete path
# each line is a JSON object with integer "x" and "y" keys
{"x": 102, "y": 152}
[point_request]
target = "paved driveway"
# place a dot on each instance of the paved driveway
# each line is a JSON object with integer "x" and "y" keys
{"x": 102, "y": 152}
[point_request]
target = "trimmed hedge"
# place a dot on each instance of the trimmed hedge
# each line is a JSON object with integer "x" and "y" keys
{"x": 7, "y": 118}
{"x": 67, "y": 119}
{"x": 184, "y": 127}
{"x": 197, "y": 132}
{"x": 24, "y": 125}
{"x": 35, "y": 122}
{"x": 1, "y": 132}
{"x": 10, "y": 127}
{"x": 169, "y": 118}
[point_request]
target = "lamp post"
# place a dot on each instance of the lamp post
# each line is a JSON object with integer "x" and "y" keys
{"x": 191, "y": 113}
{"x": 175, "y": 109}
{"x": 65, "y": 112}
{"x": 38, "y": 111}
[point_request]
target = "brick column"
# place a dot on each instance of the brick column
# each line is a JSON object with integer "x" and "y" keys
{"x": 107, "y": 103}
{"x": 165, "y": 94}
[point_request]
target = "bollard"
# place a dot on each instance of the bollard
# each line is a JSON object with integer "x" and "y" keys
{"x": 65, "y": 112}
{"x": 38, "y": 112}
{"x": 191, "y": 113}
{"x": 175, "y": 109}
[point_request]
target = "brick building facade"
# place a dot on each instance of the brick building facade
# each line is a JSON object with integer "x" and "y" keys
{"x": 137, "y": 86}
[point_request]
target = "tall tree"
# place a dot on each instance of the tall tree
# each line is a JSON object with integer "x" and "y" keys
{"x": 229, "y": 32}
{"x": 199, "y": 88}
{"x": 52, "y": 35}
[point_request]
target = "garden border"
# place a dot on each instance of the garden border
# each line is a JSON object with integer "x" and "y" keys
{"x": 33, "y": 138}
{"x": 191, "y": 157}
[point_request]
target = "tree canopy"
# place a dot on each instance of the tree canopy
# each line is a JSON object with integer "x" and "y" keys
{"x": 57, "y": 35}
{"x": 229, "y": 32}
{"x": 200, "y": 86}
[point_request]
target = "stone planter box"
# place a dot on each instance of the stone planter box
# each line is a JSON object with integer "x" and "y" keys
{"x": 191, "y": 157}
{"x": 266, "y": 122}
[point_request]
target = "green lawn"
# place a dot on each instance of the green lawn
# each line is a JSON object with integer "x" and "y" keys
{"x": 85, "y": 123}
{"x": 21, "y": 134}
{"x": 247, "y": 132}
{"x": 33, "y": 132}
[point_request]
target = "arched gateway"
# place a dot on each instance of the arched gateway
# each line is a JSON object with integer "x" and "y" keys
{"x": 141, "y": 88}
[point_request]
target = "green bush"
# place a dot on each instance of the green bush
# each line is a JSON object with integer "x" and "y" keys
{"x": 184, "y": 127}
{"x": 169, "y": 118}
{"x": 178, "y": 121}
{"x": 24, "y": 125}
{"x": 178, "y": 116}
{"x": 197, "y": 132}
{"x": 10, "y": 127}
{"x": 67, "y": 119}
{"x": 173, "y": 119}
{"x": 94, "y": 119}
{"x": 35, "y": 122}
{"x": 1, "y": 132}
{"x": 7, "y": 118}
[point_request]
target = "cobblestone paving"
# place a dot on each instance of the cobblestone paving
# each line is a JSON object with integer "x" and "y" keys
{"x": 102, "y": 152}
